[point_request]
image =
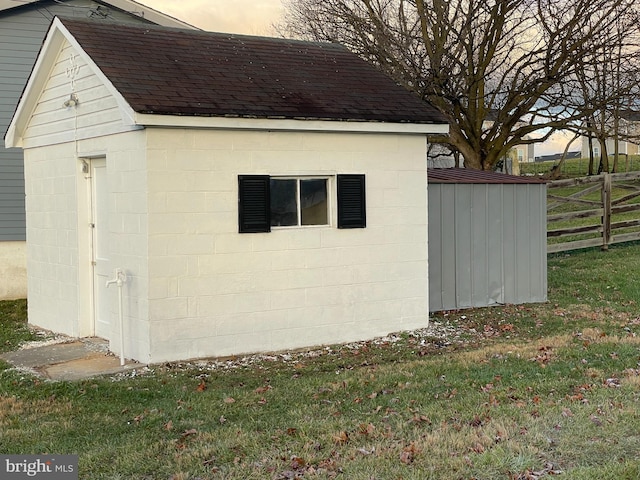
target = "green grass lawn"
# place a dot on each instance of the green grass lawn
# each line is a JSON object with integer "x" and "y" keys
{"x": 518, "y": 392}
{"x": 13, "y": 327}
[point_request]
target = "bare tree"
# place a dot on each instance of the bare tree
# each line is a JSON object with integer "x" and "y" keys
{"x": 608, "y": 83}
{"x": 508, "y": 61}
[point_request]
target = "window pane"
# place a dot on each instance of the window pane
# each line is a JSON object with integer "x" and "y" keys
{"x": 313, "y": 202}
{"x": 284, "y": 209}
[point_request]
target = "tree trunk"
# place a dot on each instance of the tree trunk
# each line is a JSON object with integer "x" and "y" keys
{"x": 471, "y": 155}
{"x": 556, "y": 170}
{"x": 604, "y": 157}
{"x": 473, "y": 161}
{"x": 590, "y": 137}
{"x": 456, "y": 156}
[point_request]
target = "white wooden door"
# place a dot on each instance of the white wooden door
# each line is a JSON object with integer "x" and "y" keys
{"x": 101, "y": 263}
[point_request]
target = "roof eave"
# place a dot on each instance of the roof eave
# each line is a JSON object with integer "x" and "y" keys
{"x": 282, "y": 124}
{"x": 129, "y": 6}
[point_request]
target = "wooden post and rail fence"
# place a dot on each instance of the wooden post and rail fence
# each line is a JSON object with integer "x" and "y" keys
{"x": 598, "y": 210}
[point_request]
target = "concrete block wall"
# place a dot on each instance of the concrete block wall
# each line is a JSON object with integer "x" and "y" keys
{"x": 213, "y": 291}
{"x": 126, "y": 161}
{"x": 59, "y": 237}
{"x": 52, "y": 261}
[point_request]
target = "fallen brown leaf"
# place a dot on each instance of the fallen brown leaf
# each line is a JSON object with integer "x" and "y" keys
{"x": 341, "y": 438}
{"x": 297, "y": 463}
{"x": 477, "y": 447}
{"x": 188, "y": 433}
{"x": 366, "y": 428}
{"x": 409, "y": 453}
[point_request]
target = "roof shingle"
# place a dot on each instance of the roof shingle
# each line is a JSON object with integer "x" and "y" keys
{"x": 169, "y": 71}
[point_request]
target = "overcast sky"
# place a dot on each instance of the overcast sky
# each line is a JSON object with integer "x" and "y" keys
{"x": 253, "y": 17}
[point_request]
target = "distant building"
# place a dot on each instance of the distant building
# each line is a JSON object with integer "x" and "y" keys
{"x": 557, "y": 156}
{"x": 628, "y": 143}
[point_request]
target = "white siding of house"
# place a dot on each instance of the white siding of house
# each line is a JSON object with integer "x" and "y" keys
{"x": 216, "y": 292}
{"x": 96, "y": 113}
{"x": 624, "y": 148}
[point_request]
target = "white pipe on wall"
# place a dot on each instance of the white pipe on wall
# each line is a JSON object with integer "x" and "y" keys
{"x": 120, "y": 279}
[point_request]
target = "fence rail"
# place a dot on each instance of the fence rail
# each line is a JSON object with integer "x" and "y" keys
{"x": 593, "y": 211}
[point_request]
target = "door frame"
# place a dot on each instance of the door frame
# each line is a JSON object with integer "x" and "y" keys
{"x": 100, "y": 253}
{"x": 86, "y": 286}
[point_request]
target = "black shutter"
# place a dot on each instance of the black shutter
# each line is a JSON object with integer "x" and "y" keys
{"x": 351, "y": 202}
{"x": 254, "y": 211}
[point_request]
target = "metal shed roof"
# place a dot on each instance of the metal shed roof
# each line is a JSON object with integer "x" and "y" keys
{"x": 466, "y": 175}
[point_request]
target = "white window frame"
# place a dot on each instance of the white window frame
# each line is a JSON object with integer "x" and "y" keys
{"x": 329, "y": 191}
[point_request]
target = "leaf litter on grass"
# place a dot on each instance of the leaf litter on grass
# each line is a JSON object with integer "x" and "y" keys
{"x": 474, "y": 438}
{"x": 544, "y": 388}
{"x": 438, "y": 335}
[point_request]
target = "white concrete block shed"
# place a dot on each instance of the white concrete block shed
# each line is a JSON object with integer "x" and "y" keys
{"x": 255, "y": 194}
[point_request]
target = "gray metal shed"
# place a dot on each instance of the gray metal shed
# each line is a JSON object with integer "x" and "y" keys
{"x": 487, "y": 239}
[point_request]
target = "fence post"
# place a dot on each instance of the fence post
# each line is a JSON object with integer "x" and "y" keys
{"x": 606, "y": 210}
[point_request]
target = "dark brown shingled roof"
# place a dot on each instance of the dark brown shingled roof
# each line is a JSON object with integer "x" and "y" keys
{"x": 467, "y": 175}
{"x": 168, "y": 71}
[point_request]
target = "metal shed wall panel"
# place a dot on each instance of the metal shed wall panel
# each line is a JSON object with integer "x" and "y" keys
{"x": 487, "y": 244}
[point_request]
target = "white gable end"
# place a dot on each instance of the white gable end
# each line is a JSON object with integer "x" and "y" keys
{"x": 67, "y": 98}
{"x": 73, "y": 105}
